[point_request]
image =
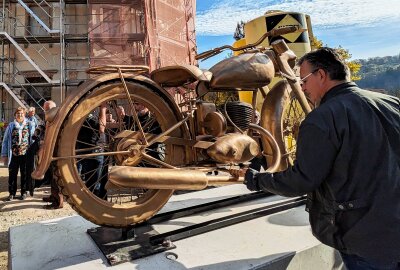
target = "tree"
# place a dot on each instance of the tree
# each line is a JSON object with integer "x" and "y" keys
{"x": 354, "y": 66}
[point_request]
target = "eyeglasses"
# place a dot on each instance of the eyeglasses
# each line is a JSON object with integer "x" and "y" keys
{"x": 304, "y": 80}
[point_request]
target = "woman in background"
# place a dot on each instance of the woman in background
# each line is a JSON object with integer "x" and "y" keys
{"x": 17, "y": 138}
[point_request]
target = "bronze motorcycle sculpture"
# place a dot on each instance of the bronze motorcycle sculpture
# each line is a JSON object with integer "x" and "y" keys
{"x": 146, "y": 159}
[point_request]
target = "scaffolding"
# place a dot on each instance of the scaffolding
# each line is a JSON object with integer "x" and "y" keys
{"x": 46, "y": 46}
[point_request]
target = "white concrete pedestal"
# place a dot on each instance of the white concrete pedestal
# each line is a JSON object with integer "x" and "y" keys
{"x": 279, "y": 241}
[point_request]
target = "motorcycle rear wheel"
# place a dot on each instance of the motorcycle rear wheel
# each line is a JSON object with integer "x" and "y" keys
{"x": 121, "y": 207}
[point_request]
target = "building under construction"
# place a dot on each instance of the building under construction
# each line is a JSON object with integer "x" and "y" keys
{"x": 47, "y": 45}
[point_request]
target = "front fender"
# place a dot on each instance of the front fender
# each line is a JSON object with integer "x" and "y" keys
{"x": 53, "y": 128}
{"x": 271, "y": 119}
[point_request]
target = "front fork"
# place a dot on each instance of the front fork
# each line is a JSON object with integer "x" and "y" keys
{"x": 272, "y": 105}
{"x": 284, "y": 55}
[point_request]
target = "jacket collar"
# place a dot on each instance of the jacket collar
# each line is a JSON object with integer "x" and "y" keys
{"x": 337, "y": 90}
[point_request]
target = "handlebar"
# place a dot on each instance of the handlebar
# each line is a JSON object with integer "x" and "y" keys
{"x": 273, "y": 33}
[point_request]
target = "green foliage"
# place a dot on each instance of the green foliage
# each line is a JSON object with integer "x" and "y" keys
{"x": 381, "y": 73}
{"x": 316, "y": 43}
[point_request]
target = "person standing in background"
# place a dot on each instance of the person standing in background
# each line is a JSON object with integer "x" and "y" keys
{"x": 31, "y": 117}
{"x": 56, "y": 198}
{"x": 127, "y": 120}
{"x": 16, "y": 141}
{"x": 92, "y": 133}
{"x": 32, "y": 150}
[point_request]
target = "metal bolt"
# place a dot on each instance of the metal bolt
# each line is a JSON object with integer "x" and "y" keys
{"x": 166, "y": 243}
{"x": 112, "y": 258}
{"x": 341, "y": 206}
{"x": 351, "y": 205}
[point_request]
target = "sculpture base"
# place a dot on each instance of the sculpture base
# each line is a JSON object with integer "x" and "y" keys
{"x": 120, "y": 246}
{"x": 279, "y": 241}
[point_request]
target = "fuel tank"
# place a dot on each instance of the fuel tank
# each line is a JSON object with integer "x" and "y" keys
{"x": 245, "y": 71}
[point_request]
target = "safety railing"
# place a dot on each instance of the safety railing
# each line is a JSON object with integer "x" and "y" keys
{"x": 46, "y": 11}
{"x": 14, "y": 27}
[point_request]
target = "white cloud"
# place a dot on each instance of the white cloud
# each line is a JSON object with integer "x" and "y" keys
{"x": 222, "y": 17}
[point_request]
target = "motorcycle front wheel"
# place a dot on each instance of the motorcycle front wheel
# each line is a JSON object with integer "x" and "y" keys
{"x": 282, "y": 116}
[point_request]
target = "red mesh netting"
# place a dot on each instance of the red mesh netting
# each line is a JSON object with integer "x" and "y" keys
{"x": 154, "y": 33}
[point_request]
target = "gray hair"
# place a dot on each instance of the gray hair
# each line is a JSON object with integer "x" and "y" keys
{"x": 329, "y": 60}
{"x": 48, "y": 105}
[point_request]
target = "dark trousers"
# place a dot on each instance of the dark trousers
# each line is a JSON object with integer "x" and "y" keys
{"x": 30, "y": 165}
{"x": 354, "y": 262}
{"x": 102, "y": 192}
{"x": 17, "y": 163}
{"x": 91, "y": 170}
{"x": 56, "y": 195}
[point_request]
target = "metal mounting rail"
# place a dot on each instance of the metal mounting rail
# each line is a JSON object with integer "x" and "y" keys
{"x": 222, "y": 222}
{"x": 206, "y": 207}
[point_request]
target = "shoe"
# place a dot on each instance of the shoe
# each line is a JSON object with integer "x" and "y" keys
{"x": 23, "y": 197}
{"x": 53, "y": 206}
{"x": 48, "y": 199}
{"x": 10, "y": 198}
{"x": 31, "y": 193}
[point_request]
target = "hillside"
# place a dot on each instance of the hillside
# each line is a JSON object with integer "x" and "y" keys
{"x": 381, "y": 73}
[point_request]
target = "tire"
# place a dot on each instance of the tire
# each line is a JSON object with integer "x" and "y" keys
{"x": 282, "y": 116}
{"x": 120, "y": 207}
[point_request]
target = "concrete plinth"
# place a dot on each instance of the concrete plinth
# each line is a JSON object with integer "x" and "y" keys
{"x": 279, "y": 241}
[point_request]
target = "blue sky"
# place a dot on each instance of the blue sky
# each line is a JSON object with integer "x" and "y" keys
{"x": 366, "y": 28}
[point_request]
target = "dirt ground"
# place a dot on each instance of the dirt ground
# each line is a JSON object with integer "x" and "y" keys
{"x": 17, "y": 212}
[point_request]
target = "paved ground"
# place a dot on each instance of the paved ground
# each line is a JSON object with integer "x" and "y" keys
{"x": 19, "y": 212}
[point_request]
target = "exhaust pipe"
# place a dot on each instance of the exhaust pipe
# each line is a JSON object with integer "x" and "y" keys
{"x": 160, "y": 178}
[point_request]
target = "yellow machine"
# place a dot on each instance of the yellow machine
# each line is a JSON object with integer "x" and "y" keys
{"x": 299, "y": 43}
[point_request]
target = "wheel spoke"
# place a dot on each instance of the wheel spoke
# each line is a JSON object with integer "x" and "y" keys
{"x": 156, "y": 161}
{"x": 292, "y": 117}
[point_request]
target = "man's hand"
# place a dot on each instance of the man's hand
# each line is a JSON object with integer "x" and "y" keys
{"x": 236, "y": 173}
{"x": 250, "y": 180}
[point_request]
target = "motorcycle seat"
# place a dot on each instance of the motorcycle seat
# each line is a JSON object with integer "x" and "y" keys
{"x": 174, "y": 76}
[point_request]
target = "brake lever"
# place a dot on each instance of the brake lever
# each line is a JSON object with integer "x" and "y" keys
{"x": 210, "y": 55}
{"x": 207, "y": 54}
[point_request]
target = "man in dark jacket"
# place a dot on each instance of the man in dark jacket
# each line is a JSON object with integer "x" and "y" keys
{"x": 348, "y": 164}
